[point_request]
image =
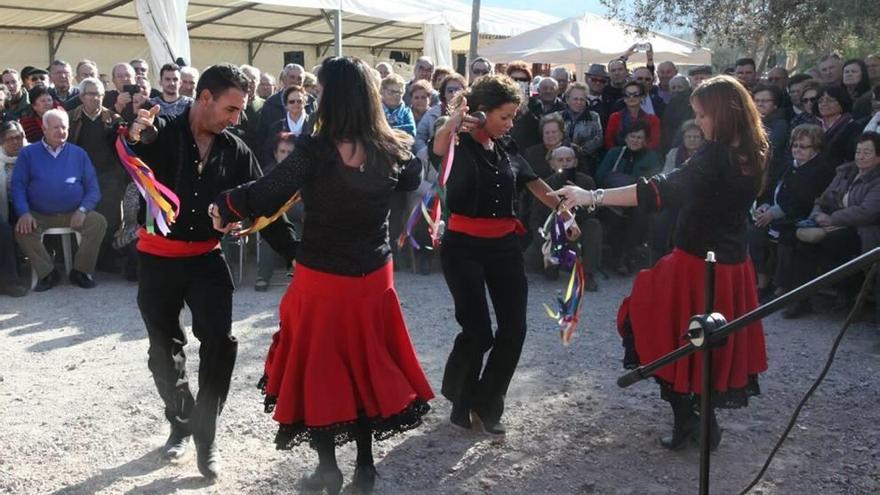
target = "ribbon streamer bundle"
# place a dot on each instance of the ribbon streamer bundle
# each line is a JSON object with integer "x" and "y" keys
{"x": 568, "y": 307}
{"x": 162, "y": 203}
{"x": 436, "y": 198}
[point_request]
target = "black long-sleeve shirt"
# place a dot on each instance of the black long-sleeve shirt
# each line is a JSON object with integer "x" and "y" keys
{"x": 345, "y": 231}
{"x": 484, "y": 183}
{"x": 171, "y": 151}
{"x": 714, "y": 197}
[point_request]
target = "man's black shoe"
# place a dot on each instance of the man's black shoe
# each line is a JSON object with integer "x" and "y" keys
{"x": 175, "y": 446}
{"x": 47, "y": 282}
{"x": 208, "y": 459}
{"x": 13, "y": 289}
{"x": 81, "y": 279}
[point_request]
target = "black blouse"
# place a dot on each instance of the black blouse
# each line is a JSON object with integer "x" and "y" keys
{"x": 346, "y": 208}
{"x": 714, "y": 198}
{"x": 484, "y": 183}
{"x": 171, "y": 151}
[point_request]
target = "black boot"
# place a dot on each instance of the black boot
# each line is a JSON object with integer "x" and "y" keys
{"x": 175, "y": 446}
{"x": 687, "y": 423}
{"x": 364, "y": 472}
{"x": 327, "y": 475}
{"x": 460, "y": 416}
{"x": 207, "y": 458}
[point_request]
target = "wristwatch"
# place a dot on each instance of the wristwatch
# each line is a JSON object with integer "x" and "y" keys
{"x": 82, "y": 209}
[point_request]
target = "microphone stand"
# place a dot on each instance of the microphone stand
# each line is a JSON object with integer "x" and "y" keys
{"x": 710, "y": 330}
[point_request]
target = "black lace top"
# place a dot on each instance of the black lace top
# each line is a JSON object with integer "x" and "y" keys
{"x": 346, "y": 208}
{"x": 714, "y": 198}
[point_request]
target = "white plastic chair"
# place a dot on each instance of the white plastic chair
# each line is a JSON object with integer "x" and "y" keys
{"x": 66, "y": 247}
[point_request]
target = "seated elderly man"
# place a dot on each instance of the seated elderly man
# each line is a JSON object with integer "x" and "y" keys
{"x": 54, "y": 185}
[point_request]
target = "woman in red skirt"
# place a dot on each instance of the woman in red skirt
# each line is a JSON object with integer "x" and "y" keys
{"x": 342, "y": 366}
{"x": 714, "y": 190}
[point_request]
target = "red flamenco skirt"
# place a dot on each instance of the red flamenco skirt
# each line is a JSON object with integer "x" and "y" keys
{"x": 657, "y": 312}
{"x": 342, "y": 360}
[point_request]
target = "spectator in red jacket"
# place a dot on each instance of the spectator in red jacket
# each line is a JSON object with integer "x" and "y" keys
{"x": 633, "y": 93}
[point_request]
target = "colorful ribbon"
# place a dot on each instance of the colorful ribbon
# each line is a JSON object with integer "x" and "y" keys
{"x": 162, "y": 204}
{"x": 433, "y": 214}
{"x": 262, "y": 222}
{"x": 559, "y": 253}
{"x": 568, "y": 309}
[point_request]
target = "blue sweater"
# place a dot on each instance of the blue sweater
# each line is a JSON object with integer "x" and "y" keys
{"x": 49, "y": 185}
{"x": 401, "y": 118}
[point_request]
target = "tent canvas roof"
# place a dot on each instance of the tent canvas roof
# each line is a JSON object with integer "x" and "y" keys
{"x": 366, "y": 24}
{"x": 591, "y": 39}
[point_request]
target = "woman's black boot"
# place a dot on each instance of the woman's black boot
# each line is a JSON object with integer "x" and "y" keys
{"x": 327, "y": 476}
{"x": 364, "y": 472}
{"x": 687, "y": 423}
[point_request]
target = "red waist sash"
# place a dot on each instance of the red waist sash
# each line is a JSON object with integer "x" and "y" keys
{"x": 489, "y": 228}
{"x": 158, "y": 245}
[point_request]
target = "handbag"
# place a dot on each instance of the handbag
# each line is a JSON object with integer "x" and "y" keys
{"x": 811, "y": 235}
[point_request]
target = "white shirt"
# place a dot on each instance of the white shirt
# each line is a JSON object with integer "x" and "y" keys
{"x": 296, "y": 126}
{"x": 54, "y": 152}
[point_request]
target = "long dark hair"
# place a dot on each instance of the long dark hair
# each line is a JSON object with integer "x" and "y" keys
{"x": 864, "y": 84}
{"x": 351, "y": 110}
{"x": 736, "y": 121}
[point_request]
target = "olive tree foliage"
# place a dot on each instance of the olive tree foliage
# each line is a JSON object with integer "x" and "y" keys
{"x": 824, "y": 25}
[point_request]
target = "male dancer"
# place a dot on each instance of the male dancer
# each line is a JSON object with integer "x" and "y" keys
{"x": 196, "y": 156}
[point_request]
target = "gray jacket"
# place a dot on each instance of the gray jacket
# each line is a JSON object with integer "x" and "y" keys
{"x": 863, "y": 211}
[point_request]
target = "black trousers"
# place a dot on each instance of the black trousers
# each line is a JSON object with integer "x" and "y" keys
{"x": 838, "y": 247}
{"x": 471, "y": 266}
{"x": 8, "y": 268}
{"x": 205, "y": 285}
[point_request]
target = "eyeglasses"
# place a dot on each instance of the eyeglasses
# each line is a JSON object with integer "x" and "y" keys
{"x": 632, "y": 95}
{"x": 393, "y": 92}
{"x": 827, "y": 100}
{"x": 289, "y": 102}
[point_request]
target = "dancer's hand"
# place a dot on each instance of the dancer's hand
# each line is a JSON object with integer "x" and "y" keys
{"x": 461, "y": 120}
{"x": 572, "y": 196}
{"x": 574, "y": 232}
{"x": 217, "y": 221}
{"x": 144, "y": 120}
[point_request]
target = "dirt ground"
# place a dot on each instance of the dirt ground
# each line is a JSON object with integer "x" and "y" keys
{"x": 80, "y": 414}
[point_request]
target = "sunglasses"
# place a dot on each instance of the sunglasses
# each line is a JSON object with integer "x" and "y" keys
{"x": 297, "y": 101}
{"x": 810, "y": 100}
{"x": 632, "y": 95}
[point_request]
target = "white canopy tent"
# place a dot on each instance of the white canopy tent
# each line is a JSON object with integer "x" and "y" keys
{"x": 590, "y": 39}
{"x": 242, "y": 31}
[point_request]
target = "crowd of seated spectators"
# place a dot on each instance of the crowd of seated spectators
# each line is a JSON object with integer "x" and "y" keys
{"x": 606, "y": 129}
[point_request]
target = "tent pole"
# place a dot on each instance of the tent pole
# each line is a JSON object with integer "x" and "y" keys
{"x": 475, "y": 33}
{"x": 338, "y": 32}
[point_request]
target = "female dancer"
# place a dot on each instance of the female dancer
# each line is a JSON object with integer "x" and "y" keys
{"x": 714, "y": 192}
{"x": 481, "y": 250}
{"x": 342, "y": 366}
